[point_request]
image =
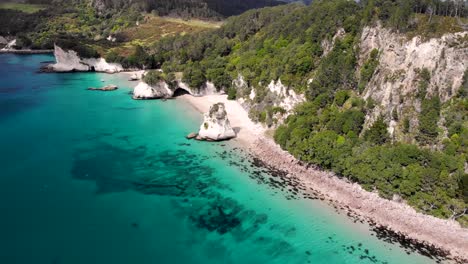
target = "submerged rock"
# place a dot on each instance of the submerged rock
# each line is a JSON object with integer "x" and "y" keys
{"x": 110, "y": 87}
{"x": 191, "y": 135}
{"x": 145, "y": 91}
{"x": 216, "y": 125}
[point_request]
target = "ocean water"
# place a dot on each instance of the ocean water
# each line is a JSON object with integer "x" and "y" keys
{"x": 96, "y": 177}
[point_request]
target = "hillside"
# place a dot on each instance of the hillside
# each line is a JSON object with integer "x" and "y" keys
{"x": 375, "y": 92}
{"x": 213, "y": 9}
{"x": 80, "y": 27}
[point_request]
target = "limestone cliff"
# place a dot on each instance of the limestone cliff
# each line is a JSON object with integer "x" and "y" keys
{"x": 277, "y": 100}
{"x": 145, "y": 91}
{"x": 394, "y": 85}
{"x": 216, "y": 124}
{"x": 68, "y": 61}
{"x": 164, "y": 90}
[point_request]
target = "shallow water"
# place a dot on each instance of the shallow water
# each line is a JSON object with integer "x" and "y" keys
{"x": 96, "y": 177}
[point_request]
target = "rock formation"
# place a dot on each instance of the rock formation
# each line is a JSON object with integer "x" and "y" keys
{"x": 3, "y": 41}
{"x": 216, "y": 125}
{"x": 145, "y": 91}
{"x": 133, "y": 77}
{"x": 106, "y": 88}
{"x": 69, "y": 61}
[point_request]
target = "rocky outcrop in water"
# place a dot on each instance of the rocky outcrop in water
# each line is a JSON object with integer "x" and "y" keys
{"x": 216, "y": 124}
{"x": 69, "y": 61}
{"x": 106, "y": 88}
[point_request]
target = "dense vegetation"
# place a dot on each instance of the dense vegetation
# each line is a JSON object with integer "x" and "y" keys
{"x": 78, "y": 23}
{"x": 186, "y": 8}
{"x": 328, "y": 130}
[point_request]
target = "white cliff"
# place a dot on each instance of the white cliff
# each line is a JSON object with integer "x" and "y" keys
{"x": 216, "y": 124}
{"x": 395, "y": 81}
{"x": 207, "y": 89}
{"x": 285, "y": 98}
{"x": 9, "y": 45}
{"x": 145, "y": 91}
{"x": 67, "y": 61}
{"x": 277, "y": 95}
{"x": 3, "y": 41}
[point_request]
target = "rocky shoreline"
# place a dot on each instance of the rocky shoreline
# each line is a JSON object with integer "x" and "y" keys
{"x": 392, "y": 221}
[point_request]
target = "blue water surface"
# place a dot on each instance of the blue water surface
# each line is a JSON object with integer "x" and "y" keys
{"x": 96, "y": 177}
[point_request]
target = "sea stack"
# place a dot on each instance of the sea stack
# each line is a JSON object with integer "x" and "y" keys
{"x": 216, "y": 125}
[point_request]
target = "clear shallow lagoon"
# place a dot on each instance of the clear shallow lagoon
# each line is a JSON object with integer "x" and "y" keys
{"x": 96, "y": 177}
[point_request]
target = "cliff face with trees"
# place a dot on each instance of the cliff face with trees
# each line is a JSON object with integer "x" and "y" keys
{"x": 385, "y": 88}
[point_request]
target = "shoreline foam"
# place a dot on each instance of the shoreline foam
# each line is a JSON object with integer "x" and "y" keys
{"x": 446, "y": 237}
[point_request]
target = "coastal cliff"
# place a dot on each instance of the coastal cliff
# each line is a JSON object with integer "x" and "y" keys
{"x": 69, "y": 61}
{"x": 405, "y": 67}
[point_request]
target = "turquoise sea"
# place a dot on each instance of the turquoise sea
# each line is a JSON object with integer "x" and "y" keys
{"x": 96, "y": 177}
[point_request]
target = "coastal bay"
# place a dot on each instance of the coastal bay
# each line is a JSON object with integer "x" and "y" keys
{"x": 101, "y": 178}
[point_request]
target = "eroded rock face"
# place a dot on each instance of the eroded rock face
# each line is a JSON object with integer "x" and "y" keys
{"x": 286, "y": 98}
{"x": 394, "y": 85}
{"x": 3, "y": 41}
{"x": 216, "y": 125}
{"x": 145, "y": 91}
{"x": 68, "y": 61}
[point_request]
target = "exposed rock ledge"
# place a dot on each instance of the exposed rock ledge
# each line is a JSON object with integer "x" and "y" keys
{"x": 216, "y": 125}
{"x": 69, "y": 61}
{"x": 161, "y": 90}
{"x": 145, "y": 91}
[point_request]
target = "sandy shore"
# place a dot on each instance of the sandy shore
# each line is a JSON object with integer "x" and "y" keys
{"x": 431, "y": 232}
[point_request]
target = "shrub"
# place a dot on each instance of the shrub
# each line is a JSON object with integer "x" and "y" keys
{"x": 341, "y": 97}
{"x": 232, "y": 93}
{"x": 153, "y": 77}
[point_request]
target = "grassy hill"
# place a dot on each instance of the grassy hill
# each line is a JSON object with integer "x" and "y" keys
{"x": 26, "y": 8}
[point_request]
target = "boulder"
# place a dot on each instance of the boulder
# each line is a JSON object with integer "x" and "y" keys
{"x": 216, "y": 124}
{"x": 133, "y": 77}
{"x": 145, "y": 91}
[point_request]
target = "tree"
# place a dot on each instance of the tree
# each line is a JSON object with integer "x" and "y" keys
{"x": 153, "y": 77}
{"x": 377, "y": 133}
{"x": 194, "y": 76}
{"x": 428, "y": 118}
